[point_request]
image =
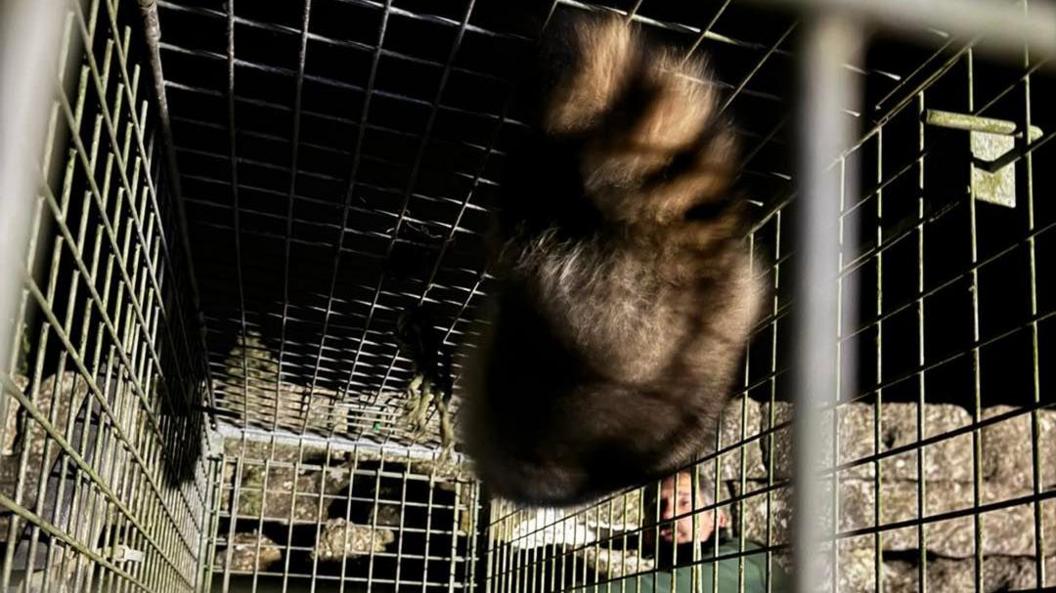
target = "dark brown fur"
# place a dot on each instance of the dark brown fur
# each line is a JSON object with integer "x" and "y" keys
{"x": 624, "y": 294}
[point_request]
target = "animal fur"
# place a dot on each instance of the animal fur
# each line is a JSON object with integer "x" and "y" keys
{"x": 624, "y": 295}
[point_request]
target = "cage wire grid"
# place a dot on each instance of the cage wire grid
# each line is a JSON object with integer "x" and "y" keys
{"x": 375, "y": 403}
{"x": 383, "y": 206}
{"x": 102, "y": 487}
{"x": 523, "y": 559}
{"x": 940, "y": 442}
{"x": 358, "y": 502}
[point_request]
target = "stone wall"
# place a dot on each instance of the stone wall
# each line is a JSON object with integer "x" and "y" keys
{"x": 947, "y": 491}
{"x": 761, "y": 469}
{"x": 276, "y": 485}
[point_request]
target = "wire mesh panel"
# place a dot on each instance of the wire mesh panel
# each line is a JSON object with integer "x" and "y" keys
{"x": 943, "y": 463}
{"x": 301, "y": 515}
{"x": 102, "y": 482}
{"x": 337, "y": 159}
{"x": 719, "y": 524}
{"x": 940, "y": 472}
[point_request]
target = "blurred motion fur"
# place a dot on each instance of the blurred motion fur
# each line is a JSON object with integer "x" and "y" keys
{"x": 624, "y": 294}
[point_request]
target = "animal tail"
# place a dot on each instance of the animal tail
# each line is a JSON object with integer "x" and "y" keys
{"x": 653, "y": 147}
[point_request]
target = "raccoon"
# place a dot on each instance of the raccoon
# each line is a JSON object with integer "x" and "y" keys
{"x": 623, "y": 296}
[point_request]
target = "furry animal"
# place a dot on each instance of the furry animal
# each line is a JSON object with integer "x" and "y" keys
{"x": 624, "y": 295}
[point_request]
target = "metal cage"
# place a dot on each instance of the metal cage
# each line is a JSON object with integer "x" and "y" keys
{"x": 224, "y": 207}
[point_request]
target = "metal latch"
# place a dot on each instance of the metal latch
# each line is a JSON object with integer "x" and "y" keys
{"x": 996, "y": 145}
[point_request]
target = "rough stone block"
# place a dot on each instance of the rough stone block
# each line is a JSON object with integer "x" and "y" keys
{"x": 341, "y": 539}
{"x": 248, "y": 552}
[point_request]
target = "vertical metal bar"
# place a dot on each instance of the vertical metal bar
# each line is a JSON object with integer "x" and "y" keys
{"x": 474, "y": 507}
{"x": 878, "y": 408}
{"x": 656, "y": 527}
{"x": 292, "y": 519}
{"x": 211, "y": 527}
{"x": 373, "y": 521}
{"x": 977, "y": 411}
{"x": 922, "y": 511}
{"x": 233, "y": 513}
{"x": 1035, "y": 425}
{"x": 319, "y": 517}
{"x": 565, "y": 569}
{"x": 268, "y": 462}
{"x": 235, "y": 209}
{"x": 492, "y": 526}
{"x": 507, "y": 532}
{"x": 295, "y": 141}
{"x": 352, "y": 470}
{"x": 827, "y": 88}
{"x": 30, "y": 35}
{"x": 429, "y": 524}
{"x": 611, "y": 538}
{"x": 534, "y": 565}
{"x": 498, "y": 559}
{"x": 523, "y": 558}
{"x": 453, "y": 552}
{"x": 743, "y": 447}
{"x": 152, "y": 35}
{"x": 637, "y": 555}
{"x": 402, "y": 529}
{"x": 509, "y": 559}
{"x": 771, "y": 412}
{"x": 834, "y": 418}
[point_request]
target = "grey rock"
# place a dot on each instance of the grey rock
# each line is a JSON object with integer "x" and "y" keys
{"x": 856, "y": 568}
{"x": 72, "y": 390}
{"x": 740, "y": 422}
{"x": 1049, "y": 532}
{"x": 341, "y": 539}
{"x": 11, "y": 419}
{"x": 621, "y": 512}
{"x": 1008, "y": 531}
{"x": 260, "y": 451}
{"x": 776, "y": 444}
{"x": 1008, "y": 453}
{"x": 445, "y": 475}
{"x": 947, "y": 575}
{"x": 765, "y": 515}
{"x": 775, "y": 440}
{"x": 248, "y": 552}
{"x": 614, "y": 563}
{"x": 947, "y": 459}
{"x": 1007, "y": 450}
{"x": 252, "y": 388}
{"x": 386, "y": 515}
{"x": 267, "y": 489}
{"x": 55, "y": 400}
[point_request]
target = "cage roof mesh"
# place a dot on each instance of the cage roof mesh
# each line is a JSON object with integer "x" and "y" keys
{"x": 339, "y": 159}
